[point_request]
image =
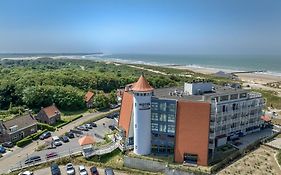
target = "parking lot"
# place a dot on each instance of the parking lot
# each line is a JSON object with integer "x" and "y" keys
{"x": 72, "y": 146}
{"x": 46, "y": 171}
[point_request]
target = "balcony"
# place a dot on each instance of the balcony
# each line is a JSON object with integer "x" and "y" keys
{"x": 212, "y": 135}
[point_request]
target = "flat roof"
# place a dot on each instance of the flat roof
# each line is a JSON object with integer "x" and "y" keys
{"x": 177, "y": 93}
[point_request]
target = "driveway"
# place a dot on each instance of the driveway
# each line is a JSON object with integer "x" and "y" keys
{"x": 14, "y": 158}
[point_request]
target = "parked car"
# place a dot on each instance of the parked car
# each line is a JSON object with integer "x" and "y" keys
{"x": 70, "y": 169}
{"x": 8, "y": 144}
{"x": 2, "y": 149}
{"x": 56, "y": 141}
{"x": 110, "y": 116}
{"x": 45, "y": 135}
{"x": 94, "y": 171}
{"x": 88, "y": 126}
{"x": 82, "y": 170}
{"x": 93, "y": 124}
{"x": 26, "y": 173}
{"x": 108, "y": 171}
{"x": 70, "y": 135}
{"x": 32, "y": 159}
{"x": 51, "y": 154}
{"x": 55, "y": 170}
{"x": 82, "y": 128}
{"x": 64, "y": 139}
{"x": 112, "y": 127}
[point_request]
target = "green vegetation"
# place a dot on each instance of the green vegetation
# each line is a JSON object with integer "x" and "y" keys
{"x": 24, "y": 142}
{"x": 44, "y": 126}
{"x": 271, "y": 97}
{"x": 38, "y": 83}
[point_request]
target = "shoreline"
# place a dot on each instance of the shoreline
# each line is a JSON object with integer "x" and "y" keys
{"x": 250, "y": 78}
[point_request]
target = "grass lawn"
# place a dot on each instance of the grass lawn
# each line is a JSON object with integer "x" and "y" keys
{"x": 70, "y": 115}
{"x": 272, "y": 98}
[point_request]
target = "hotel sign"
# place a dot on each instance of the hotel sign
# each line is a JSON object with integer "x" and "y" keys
{"x": 144, "y": 106}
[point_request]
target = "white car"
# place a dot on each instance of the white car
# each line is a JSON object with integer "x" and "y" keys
{"x": 56, "y": 141}
{"x": 26, "y": 173}
{"x": 70, "y": 169}
{"x": 82, "y": 170}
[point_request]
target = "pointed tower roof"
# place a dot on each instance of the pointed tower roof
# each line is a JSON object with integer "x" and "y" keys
{"x": 142, "y": 85}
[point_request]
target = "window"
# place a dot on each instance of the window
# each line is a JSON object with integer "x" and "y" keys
{"x": 172, "y": 107}
{"x": 224, "y": 98}
{"x": 171, "y": 129}
{"x": 154, "y": 116}
{"x": 233, "y": 96}
{"x": 154, "y": 105}
{"x": 163, "y": 117}
{"x": 162, "y": 128}
{"x": 171, "y": 118}
{"x": 243, "y": 95}
{"x": 154, "y": 126}
{"x": 163, "y": 106}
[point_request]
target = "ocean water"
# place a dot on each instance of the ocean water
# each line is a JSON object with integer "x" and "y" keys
{"x": 271, "y": 64}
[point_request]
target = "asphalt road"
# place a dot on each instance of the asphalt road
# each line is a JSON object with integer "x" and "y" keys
{"x": 18, "y": 154}
{"x": 72, "y": 145}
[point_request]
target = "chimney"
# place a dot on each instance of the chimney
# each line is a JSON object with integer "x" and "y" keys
{"x": 126, "y": 88}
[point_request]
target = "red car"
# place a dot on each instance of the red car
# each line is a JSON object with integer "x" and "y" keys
{"x": 51, "y": 154}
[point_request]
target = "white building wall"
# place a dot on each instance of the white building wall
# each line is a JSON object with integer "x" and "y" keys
{"x": 142, "y": 123}
{"x": 197, "y": 88}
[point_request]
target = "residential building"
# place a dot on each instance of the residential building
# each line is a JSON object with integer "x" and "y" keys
{"x": 17, "y": 128}
{"x": 89, "y": 99}
{"x": 49, "y": 115}
{"x": 190, "y": 122}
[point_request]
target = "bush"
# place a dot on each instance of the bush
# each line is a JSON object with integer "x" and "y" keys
{"x": 24, "y": 142}
{"x": 44, "y": 126}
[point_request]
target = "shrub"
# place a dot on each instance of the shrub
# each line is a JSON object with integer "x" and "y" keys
{"x": 24, "y": 142}
{"x": 44, "y": 126}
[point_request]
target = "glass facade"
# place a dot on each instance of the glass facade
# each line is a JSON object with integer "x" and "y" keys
{"x": 163, "y": 121}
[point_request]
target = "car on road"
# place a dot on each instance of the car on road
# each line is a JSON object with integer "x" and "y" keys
{"x": 51, "y": 154}
{"x": 70, "y": 135}
{"x": 2, "y": 149}
{"x": 26, "y": 173}
{"x": 64, "y": 139}
{"x": 55, "y": 170}
{"x": 70, "y": 169}
{"x": 45, "y": 135}
{"x": 82, "y": 170}
{"x": 88, "y": 126}
{"x": 112, "y": 127}
{"x": 108, "y": 171}
{"x": 94, "y": 171}
{"x": 8, "y": 144}
{"x": 32, "y": 159}
{"x": 56, "y": 141}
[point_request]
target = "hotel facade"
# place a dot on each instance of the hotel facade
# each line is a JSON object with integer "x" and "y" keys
{"x": 188, "y": 122}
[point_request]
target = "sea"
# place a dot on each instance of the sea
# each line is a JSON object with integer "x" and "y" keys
{"x": 270, "y": 64}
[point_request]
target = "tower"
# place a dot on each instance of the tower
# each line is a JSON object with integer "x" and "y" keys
{"x": 142, "y": 93}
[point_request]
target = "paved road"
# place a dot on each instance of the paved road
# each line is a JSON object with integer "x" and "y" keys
{"x": 9, "y": 160}
{"x": 46, "y": 171}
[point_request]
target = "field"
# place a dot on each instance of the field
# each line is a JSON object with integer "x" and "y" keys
{"x": 258, "y": 162}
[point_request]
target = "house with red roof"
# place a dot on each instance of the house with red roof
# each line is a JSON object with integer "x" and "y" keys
{"x": 89, "y": 99}
{"x": 49, "y": 115}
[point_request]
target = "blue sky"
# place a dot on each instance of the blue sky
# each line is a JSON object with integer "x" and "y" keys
{"x": 141, "y": 26}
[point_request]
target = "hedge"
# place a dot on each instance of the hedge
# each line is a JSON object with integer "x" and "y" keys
{"x": 44, "y": 126}
{"x": 24, "y": 142}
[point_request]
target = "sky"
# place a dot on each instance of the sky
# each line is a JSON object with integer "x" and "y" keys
{"x": 141, "y": 26}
